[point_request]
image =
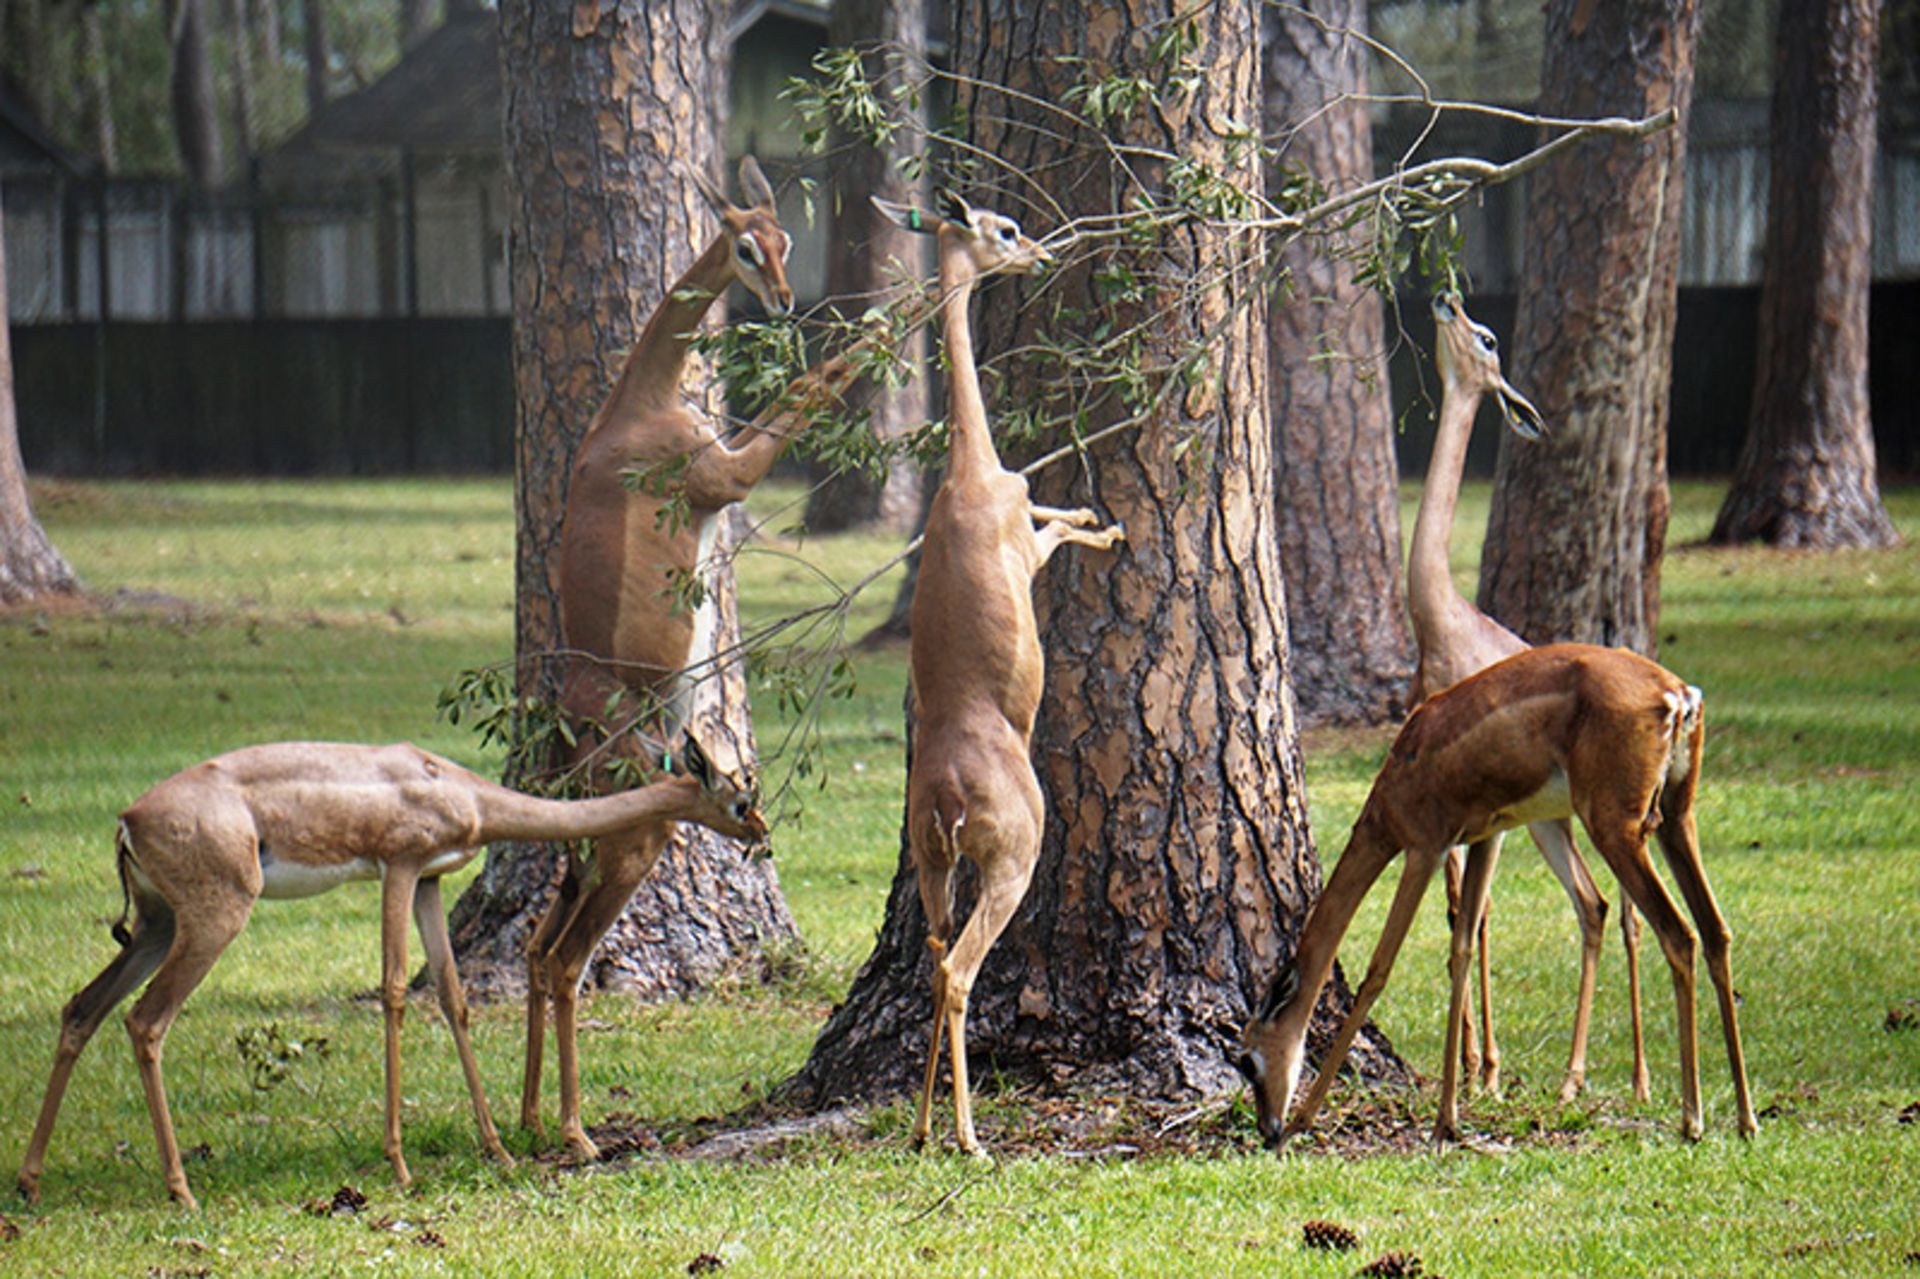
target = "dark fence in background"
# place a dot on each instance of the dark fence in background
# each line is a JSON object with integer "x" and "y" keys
{"x": 379, "y": 396}
{"x": 266, "y": 397}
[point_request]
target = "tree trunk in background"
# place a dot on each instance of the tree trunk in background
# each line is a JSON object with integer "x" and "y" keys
{"x": 605, "y": 111}
{"x": 1806, "y": 475}
{"x": 416, "y": 22}
{"x": 860, "y": 250}
{"x": 314, "y": 18}
{"x": 1177, "y": 866}
{"x": 1336, "y": 480}
{"x": 1579, "y": 519}
{"x": 196, "y": 124}
{"x": 241, "y": 48}
{"x": 266, "y": 31}
{"x": 898, "y": 627}
{"x": 30, "y": 567}
{"x": 99, "y": 78}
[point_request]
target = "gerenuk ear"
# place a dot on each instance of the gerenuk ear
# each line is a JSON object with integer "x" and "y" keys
{"x": 709, "y": 191}
{"x": 696, "y": 764}
{"x": 906, "y": 216}
{"x": 953, "y": 208}
{"x": 754, "y": 185}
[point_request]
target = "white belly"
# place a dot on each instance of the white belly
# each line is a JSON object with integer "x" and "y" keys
{"x": 281, "y": 879}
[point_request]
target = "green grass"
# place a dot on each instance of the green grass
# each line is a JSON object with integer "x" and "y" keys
{"x": 339, "y": 609}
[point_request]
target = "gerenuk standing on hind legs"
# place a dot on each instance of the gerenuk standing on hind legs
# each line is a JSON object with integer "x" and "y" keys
{"x": 977, "y": 666}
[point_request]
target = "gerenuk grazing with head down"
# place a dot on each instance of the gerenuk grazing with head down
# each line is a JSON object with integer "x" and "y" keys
{"x": 294, "y": 819}
{"x": 1566, "y": 730}
{"x": 1456, "y": 640}
{"x": 977, "y": 667}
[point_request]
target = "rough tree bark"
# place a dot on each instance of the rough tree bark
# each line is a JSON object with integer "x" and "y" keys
{"x": 860, "y": 252}
{"x": 1806, "y": 475}
{"x": 1178, "y": 866}
{"x": 30, "y": 567}
{"x": 1336, "y": 480}
{"x": 196, "y": 125}
{"x": 606, "y": 109}
{"x": 1579, "y": 519}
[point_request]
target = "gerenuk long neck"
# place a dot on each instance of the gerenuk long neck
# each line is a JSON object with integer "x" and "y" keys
{"x": 1430, "y": 590}
{"x": 970, "y": 450}
{"x": 507, "y": 814}
{"x": 650, "y": 378}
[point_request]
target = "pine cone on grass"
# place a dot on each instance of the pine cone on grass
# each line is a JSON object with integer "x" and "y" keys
{"x": 1330, "y": 1235}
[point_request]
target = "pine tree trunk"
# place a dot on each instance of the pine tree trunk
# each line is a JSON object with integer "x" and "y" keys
{"x": 1806, "y": 475}
{"x": 195, "y": 107}
{"x": 314, "y": 18}
{"x": 603, "y": 219}
{"x": 860, "y": 253}
{"x": 99, "y": 80}
{"x": 241, "y": 50}
{"x": 1579, "y": 519}
{"x": 1177, "y": 866}
{"x": 30, "y": 568}
{"x": 1336, "y": 480}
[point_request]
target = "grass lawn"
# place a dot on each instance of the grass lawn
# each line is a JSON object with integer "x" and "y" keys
{"x": 339, "y": 610}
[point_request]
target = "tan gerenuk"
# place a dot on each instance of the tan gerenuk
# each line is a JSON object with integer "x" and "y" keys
{"x": 627, "y": 552}
{"x": 1564, "y": 730}
{"x": 293, "y": 819}
{"x": 977, "y": 667}
{"x": 1456, "y": 640}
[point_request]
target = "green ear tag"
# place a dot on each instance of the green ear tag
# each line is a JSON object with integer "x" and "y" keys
{"x": 666, "y": 761}
{"x": 913, "y": 218}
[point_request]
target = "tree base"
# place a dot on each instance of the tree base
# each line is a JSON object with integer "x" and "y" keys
{"x": 1177, "y": 1050}
{"x": 706, "y": 912}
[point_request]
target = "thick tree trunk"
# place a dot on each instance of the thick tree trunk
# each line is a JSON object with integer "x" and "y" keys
{"x": 196, "y": 122}
{"x": 1336, "y": 479}
{"x": 30, "y": 567}
{"x": 860, "y": 252}
{"x": 606, "y": 111}
{"x": 1177, "y": 866}
{"x": 1580, "y": 518}
{"x": 1806, "y": 475}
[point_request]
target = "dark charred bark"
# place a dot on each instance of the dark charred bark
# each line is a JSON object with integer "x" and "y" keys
{"x": 1806, "y": 476}
{"x": 1579, "y": 519}
{"x": 30, "y": 567}
{"x": 1336, "y": 479}
{"x": 1177, "y": 866}
{"x": 606, "y": 111}
{"x": 865, "y": 253}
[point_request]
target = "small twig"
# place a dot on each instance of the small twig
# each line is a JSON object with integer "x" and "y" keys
{"x": 950, "y": 1196}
